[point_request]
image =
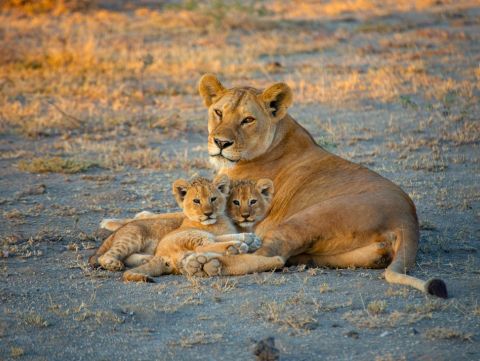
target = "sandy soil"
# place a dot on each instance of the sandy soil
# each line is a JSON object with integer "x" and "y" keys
{"x": 394, "y": 89}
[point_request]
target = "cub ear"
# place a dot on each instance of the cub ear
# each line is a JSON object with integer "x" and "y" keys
{"x": 265, "y": 187}
{"x": 222, "y": 183}
{"x": 277, "y": 98}
{"x": 179, "y": 188}
{"x": 210, "y": 88}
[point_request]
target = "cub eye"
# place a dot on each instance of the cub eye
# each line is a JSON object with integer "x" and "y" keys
{"x": 253, "y": 201}
{"x": 218, "y": 112}
{"x": 236, "y": 202}
{"x": 196, "y": 201}
{"x": 248, "y": 120}
{"x": 213, "y": 199}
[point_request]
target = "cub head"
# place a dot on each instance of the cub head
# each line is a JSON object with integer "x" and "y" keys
{"x": 202, "y": 200}
{"x": 249, "y": 201}
{"x": 241, "y": 121}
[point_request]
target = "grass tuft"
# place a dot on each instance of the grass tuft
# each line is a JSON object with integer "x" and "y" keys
{"x": 442, "y": 333}
{"x": 17, "y": 352}
{"x": 55, "y": 165}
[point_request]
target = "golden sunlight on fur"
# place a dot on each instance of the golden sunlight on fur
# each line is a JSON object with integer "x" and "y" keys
{"x": 326, "y": 211}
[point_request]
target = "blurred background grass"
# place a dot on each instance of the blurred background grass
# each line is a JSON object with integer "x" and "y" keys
{"x": 91, "y": 70}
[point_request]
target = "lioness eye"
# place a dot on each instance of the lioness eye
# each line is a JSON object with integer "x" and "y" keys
{"x": 218, "y": 112}
{"x": 213, "y": 199}
{"x": 237, "y": 203}
{"x": 248, "y": 120}
{"x": 196, "y": 200}
{"x": 253, "y": 201}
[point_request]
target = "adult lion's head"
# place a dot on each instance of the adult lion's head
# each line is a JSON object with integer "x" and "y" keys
{"x": 241, "y": 121}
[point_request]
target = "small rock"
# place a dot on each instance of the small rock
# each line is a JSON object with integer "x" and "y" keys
{"x": 265, "y": 350}
{"x": 352, "y": 334}
{"x": 32, "y": 191}
{"x": 384, "y": 333}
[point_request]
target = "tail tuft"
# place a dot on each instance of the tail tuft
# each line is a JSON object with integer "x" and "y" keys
{"x": 436, "y": 287}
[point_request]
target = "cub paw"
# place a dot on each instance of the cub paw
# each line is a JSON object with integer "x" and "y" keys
{"x": 201, "y": 264}
{"x": 252, "y": 241}
{"x": 110, "y": 263}
{"x": 129, "y": 276}
{"x": 238, "y": 248}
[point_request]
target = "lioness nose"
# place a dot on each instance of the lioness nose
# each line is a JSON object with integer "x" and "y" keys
{"x": 208, "y": 214}
{"x": 223, "y": 143}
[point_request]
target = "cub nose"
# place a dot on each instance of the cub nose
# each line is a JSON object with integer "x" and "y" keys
{"x": 222, "y": 143}
{"x": 208, "y": 214}
{"x": 245, "y": 215}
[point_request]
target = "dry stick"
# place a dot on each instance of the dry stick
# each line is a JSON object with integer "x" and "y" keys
{"x": 76, "y": 121}
{"x": 363, "y": 303}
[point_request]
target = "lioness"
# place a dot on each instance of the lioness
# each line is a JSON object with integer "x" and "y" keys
{"x": 326, "y": 211}
{"x": 206, "y": 228}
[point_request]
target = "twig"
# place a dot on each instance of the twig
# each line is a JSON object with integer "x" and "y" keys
{"x": 77, "y": 122}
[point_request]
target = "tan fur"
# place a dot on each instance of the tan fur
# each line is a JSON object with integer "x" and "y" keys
{"x": 326, "y": 211}
{"x": 249, "y": 202}
{"x": 206, "y": 229}
{"x": 243, "y": 191}
{"x": 203, "y": 203}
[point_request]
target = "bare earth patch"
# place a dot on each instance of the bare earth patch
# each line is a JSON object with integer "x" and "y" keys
{"x": 99, "y": 112}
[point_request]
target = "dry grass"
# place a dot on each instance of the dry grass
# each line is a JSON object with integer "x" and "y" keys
{"x": 377, "y": 307}
{"x": 296, "y": 320}
{"x": 195, "y": 339}
{"x": 55, "y": 7}
{"x": 224, "y": 285}
{"x": 85, "y": 71}
{"x": 55, "y": 165}
{"x": 35, "y": 319}
{"x": 397, "y": 291}
{"x": 362, "y": 319}
{"x": 16, "y": 352}
{"x": 390, "y": 357}
{"x": 442, "y": 333}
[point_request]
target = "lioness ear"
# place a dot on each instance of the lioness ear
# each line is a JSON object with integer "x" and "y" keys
{"x": 265, "y": 187}
{"x": 222, "y": 183}
{"x": 277, "y": 99}
{"x": 179, "y": 189}
{"x": 210, "y": 88}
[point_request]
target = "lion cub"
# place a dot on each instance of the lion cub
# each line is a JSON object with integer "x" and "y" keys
{"x": 205, "y": 228}
{"x": 249, "y": 202}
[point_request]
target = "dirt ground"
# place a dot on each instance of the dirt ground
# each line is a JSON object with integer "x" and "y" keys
{"x": 99, "y": 113}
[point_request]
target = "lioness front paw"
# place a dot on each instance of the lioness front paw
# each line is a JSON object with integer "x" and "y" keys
{"x": 201, "y": 264}
{"x": 110, "y": 263}
{"x": 237, "y": 248}
{"x": 252, "y": 241}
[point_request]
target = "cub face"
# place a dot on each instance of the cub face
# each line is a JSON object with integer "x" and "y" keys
{"x": 202, "y": 200}
{"x": 249, "y": 201}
